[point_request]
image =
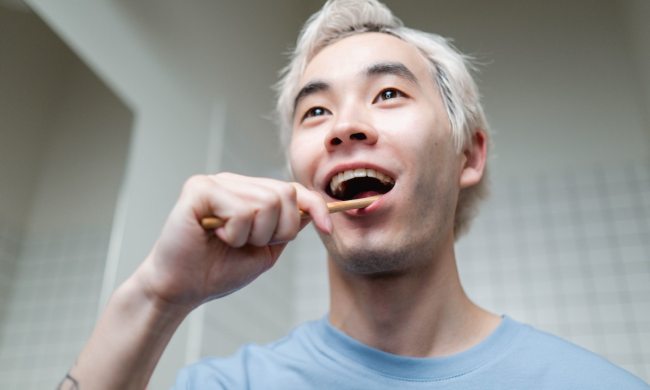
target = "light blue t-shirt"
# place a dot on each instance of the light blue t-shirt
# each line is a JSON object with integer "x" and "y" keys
{"x": 318, "y": 356}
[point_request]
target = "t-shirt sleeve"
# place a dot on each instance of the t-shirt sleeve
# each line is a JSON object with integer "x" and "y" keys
{"x": 197, "y": 377}
{"x": 214, "y": 373}
{"x": 558, "y": 364}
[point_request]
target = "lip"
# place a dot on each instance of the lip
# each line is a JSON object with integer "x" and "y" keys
{"x": 353, "y": 165}
{"x": 372, "y": 208}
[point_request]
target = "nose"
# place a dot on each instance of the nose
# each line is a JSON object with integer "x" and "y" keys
{"x": 350, "y": 131}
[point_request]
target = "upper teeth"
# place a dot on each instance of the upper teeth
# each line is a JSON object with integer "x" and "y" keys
{"x": 339, "y": 178}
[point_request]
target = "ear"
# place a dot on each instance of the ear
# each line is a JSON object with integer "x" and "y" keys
{"x": 474, "y": 159}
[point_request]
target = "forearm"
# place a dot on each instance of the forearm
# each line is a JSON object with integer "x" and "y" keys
{"x": 189, "y": 265}
{"x": 127, "y": 342}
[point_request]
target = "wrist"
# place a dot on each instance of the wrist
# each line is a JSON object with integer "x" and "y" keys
{"x": 138, "y": 291}
{"x": 129, "y": 338}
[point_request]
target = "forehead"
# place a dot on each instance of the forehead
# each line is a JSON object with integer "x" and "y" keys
{"x": 352, "y": 55}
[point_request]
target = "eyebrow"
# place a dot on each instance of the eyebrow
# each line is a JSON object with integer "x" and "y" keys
{"x": 391, "y": 68}
{"x": 379, "y": 69}
{"x": 310, "y": 88}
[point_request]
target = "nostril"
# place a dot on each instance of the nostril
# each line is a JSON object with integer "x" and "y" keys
{"x": 358, "y": 136}
{"x": 336, "y": 141}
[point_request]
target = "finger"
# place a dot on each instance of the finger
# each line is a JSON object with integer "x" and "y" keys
{"x": 301, "y": 224}
{"x": 194, "y": 197}
{"x": 228, "y": 200}
{"x": 266, "y": 217}
{"x": 274, "y": 202}
{"x": 206, "y": 197}
{"x": 313, "y": 203}
{"x": 288, "y": 221}
{"x": 238, "y": 226}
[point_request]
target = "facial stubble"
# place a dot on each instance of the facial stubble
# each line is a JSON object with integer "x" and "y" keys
{"x": 412, "y": 246}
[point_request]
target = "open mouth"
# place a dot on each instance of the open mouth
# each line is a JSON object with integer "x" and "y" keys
{"x": 359, "y": 183}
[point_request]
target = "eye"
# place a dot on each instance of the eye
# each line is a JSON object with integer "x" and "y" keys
{"x": 388, "y": 93}
{"x": 315, "y": 111}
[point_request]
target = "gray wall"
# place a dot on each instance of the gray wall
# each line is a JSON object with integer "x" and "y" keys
{"x": 637, "y": 29}
{"x": 187, "y": 72}
{"x": 64, "y": 144}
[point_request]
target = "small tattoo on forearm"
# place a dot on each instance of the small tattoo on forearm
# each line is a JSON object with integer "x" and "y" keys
{"x": 68, "y": 383}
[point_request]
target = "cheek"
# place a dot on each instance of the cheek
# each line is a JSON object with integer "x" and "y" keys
{"x": 428, "y": 150}
{"x": 302, "y": 160}
{"x": 417, "y": 124}
{"x": 294, "y": 157}
{"x": 433, "y": 140}
{"x": 425, "y": 141}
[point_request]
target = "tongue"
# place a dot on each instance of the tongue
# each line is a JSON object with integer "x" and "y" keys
{"x": 366, "y": 194}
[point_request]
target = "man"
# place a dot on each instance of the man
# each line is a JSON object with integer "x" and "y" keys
{"x": 372, "y": 108}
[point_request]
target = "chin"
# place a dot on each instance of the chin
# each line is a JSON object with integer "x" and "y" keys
{"x": 375, "y": 260}
{"x": 384, "y": 252}
{"x": 371, "y": 263}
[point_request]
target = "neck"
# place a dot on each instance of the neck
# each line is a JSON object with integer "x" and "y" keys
{"x": 420, "y": 312}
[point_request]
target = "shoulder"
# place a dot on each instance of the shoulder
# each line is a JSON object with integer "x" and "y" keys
{"x": 553, "y": 360}
{"x": 250, "y": 362}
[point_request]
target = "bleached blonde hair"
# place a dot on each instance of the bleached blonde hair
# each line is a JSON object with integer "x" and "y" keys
{"x": 449, "y": 68}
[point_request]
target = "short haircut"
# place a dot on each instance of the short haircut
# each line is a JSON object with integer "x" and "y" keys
{"x": 450, "y": 71}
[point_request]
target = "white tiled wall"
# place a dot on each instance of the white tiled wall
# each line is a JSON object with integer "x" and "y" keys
{"x": 260, "y": 313}
{"x": 9, "y": 245}
{"x": 53, "y": 308}
{"x": 569, "y": 254}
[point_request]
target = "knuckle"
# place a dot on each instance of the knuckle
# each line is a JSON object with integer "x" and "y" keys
{"x": 227, "y": 237}
{"x": 221, "y": 178}
{"x": 275, "y": 201}
{"x": 270, "y": 199}
{"x": 289, "y": 191}
{"x": 258, "y": 241}
{"x": 222, "y": 175}
{"x": 244, "y": 213}
{"x": 281, "y": 237}
{"x": 296, "y": 185}
{"x": 289, "y": 231}
{"x": 237, "y": 239}
{"x": 194, "y": 182}
{"x": 285, "y": 235}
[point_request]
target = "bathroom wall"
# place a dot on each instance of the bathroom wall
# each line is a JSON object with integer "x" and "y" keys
{"x": 27, "y": 88}
{"x": 568, "y": 253}
{"x": 184, "y": 64}
{"x": 64, "y": 143}
{"x": 10, "y": 238}
{"x": 634, "y": 14}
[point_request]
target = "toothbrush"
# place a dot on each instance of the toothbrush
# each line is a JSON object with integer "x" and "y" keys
{"x": 333, "y": 207}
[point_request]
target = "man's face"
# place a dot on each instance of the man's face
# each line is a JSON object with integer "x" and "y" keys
{"x": 369, "y": 106}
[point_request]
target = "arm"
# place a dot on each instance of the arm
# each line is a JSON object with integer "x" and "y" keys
{"x": 189, "y": 266}
{"x": 126, "y": 343}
